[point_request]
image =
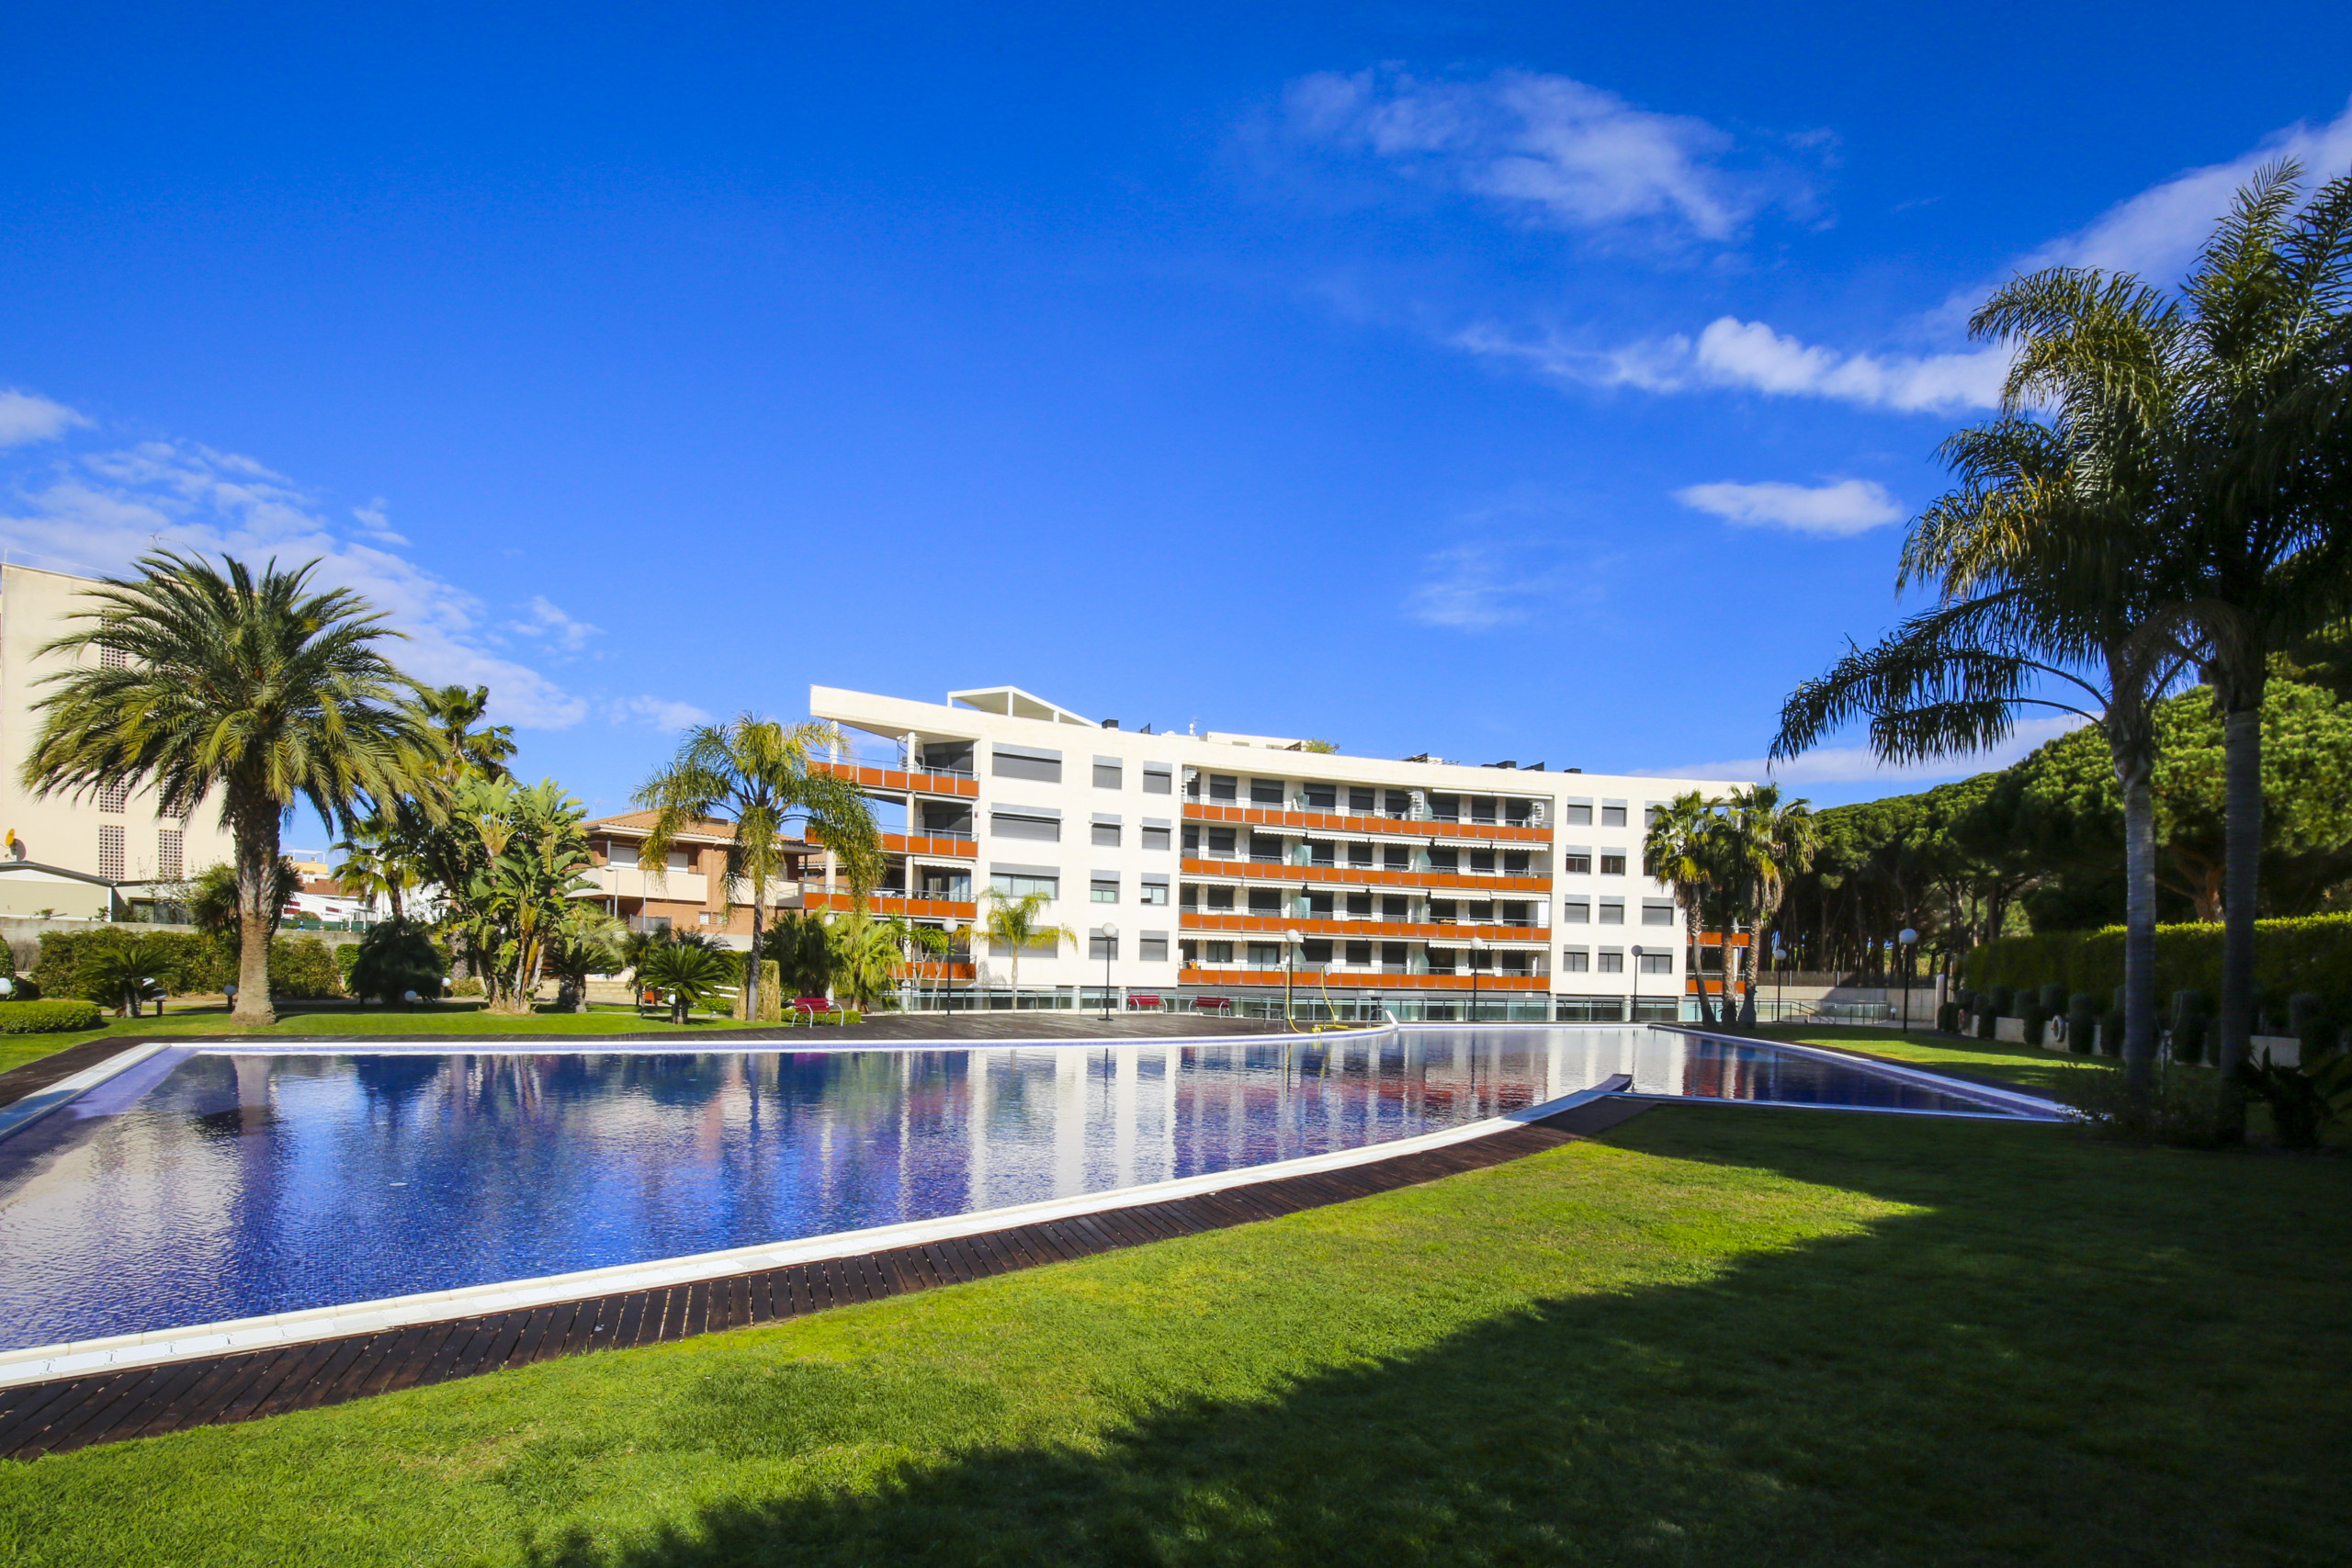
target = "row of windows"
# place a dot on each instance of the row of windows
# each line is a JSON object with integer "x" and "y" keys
{"x": 1102, "y": 888}
{"x": 170, "y": 853}
{"x": 1397, "y": 907}
{"x": 1578, "y": 911}
{"x": 1151, "y": 947}
{"x": 1046, "y": 767}
{"x": 1034, "y": 825}
{"x": 1361, "y": 800}
{"x": 1393, "y": 957}
{"x": 1579, "y": 961}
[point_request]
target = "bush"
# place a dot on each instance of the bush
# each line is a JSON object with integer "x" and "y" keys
{"x": 47, "y": 1018}
{"x": 2309, "y": 953}
{"x": 2188, "y": 1038}
{"x": 466, "y": 987}
{"x": 2082, "y": 1022}
{"x": 2182, "y": 1111}
{"x": 2053, "y": 998}
{"x": 2110, "y": 1033}
{"x": 2003, "y": 1003}
{"x": 1984, "y": 1023}
{"x": 1947, "y": 1017}
{"x": 391, "y": 960}
{"x": 184, "y": 960}
{"x": 347, "y": 958}
{"x": 2036, "y": 1021}
{"x": 303, "y": 967}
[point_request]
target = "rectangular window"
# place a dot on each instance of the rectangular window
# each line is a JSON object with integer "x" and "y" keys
{"x": 1611, "y": 865}
{"x": 1395, "y": 857}
{"x": 1151, "y": 947}
{"x": 110, "y": 850}
{"x": 1397, "y": 802}
{"x": 1021, "y": 825}
{"x": 1394, "y": 957}
{"x": 1360, "y": 905}
{"x": 1219, "y": 952}
{"x": 1153, "y": 891}
{"x": 1481, "y": 911}
{"x": 1359, "y": 954}
{"x": 1265, "y": 901}
{"x": 1514, "y": 862}
{"x": 1265, "y": 792}
{"x": 1106, "y": 833}
{"x": 1189, "y": 896}
{"x": 1359, "y": 855}
{"x": 1482, "y": 862}
{"x": 1322, "y": 796}
{"x": 168, "y": 854}
{"x": 1315, "y": 954}
{"x": 1222, "y": 786}
{"x": 1612, "y": 961}
{"x": 1020, "y": 883}
{"x": 1265, "y": 956}
{"x": 1322, "y": 851}
{"x": 1319, "y": 905}
{"x": 1192, "y": 840}
{"x": 1575, "y": 863}
{"x": 1102, "y": 890}
{"x": 1441, "y": 911}
{"x": 1394, "y": 907}
{"x": 1360, "y": 801}
{"x": 1649, "y": 812}
{"x": 1514, "y": 962}
{"x": 1221, "y": 843}
{"x": 1159, "y": 778}
{"x": 1576, "y": 911}
{"x": 1612, "y": 814}
{"x": 1108, "y": 774}
{"x": 1575, "y": 961}
{"x": 1440, "y": 960}
{"x": 1576, "y": 814}
{"x": 1519, "y": 813}
{"x": 1021, "y": 762}
{"x": 114, "y": 797}
{"x": 1264, "y": 848}
{"x": 1188, "y": 953}
{"x": 1657, "y": 964}
{"x": 1612, "y": 911}
{"x": 681, "y": 860}
{"x": 1445, "y": 808}
{"x": 1155, "y": 832}
{"x": 1658, "y": 912}
{"x": 1482, "y": 809}
{"x": 1446, "y": 860}
{"x": 1046, "y": 946}
{"x": 1221, "y": 899}
{"x": 1515, "y": 913}
{"x": 1099, "y": 947}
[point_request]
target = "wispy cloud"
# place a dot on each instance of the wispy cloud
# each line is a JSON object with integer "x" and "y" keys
{"x": 1506, "y": 569}
{"x": 96, "y": 512}
{"x": 656, "y": 713}
{"x": 1856, "y": 764}
{"x": 557, "y": 628}
{"x": 1730, "y": 352}
{"x": 1549, "y": 148}
{"x": 24, "y": 418}
{"x": 1832, "y": 511}
{"x": 375, "y": 521}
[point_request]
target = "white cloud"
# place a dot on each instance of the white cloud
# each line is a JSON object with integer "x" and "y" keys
{"x": 375, "y": 521}
{"x": 1732, "y": 353}
{"x": 27, "y": 418}
{"x": 2156, "y": 232}
{"x": 1469, "y": 589}
{"x": 1505, "y": 575}
{"x": 95, "y": 513}
{"x": 1555, "y": 149}
{"x": 656, "y": 713}
{"x": 1832, "y": 511}
{"x": 1856, "y": 764}
{"x": 560, "y": 629}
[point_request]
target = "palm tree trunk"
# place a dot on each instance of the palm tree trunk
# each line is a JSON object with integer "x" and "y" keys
{"x": 1755, "y": 949}
{"x": 2242, "y": 862}
{"x": 2139, "y": 941}
{"x": 1691, "y": 925}
{"x": 751, "y": 978}
{"x": 254, "y": 825}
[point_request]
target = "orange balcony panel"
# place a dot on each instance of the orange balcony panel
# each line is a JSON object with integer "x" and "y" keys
{"x": 1309, "y": 980}
{"x": 1363, "y": 876}
{"x": 888, "y": 904}
{"x": 1343, "y": 822}
{"x": 925, "y": 844}
{"x": 1361, "y": 931}
{"x": 897, "y": 781}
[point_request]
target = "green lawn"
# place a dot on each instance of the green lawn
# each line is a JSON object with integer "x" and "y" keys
{"x": 1720, "y": 1336}
{"x": 343, "y": 1018}
{"x": 2026, "y": 1067}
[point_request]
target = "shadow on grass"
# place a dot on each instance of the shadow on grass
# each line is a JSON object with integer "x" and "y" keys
{"x": 2061, "y": 1355}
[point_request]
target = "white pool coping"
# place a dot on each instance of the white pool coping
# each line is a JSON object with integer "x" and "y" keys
{"x": 2018, "y": 1104}
{"x": 162, "y": 1345}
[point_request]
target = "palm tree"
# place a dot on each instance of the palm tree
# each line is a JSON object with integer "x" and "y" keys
{"x": 2264, "y": 347}
{"x": 1675, "y": 853}
{"x": 373, "y": 863}
{"x": 467, "y": 751}
{"x": 119, "y": 970}
{"x": 1766, "y": 843}
{"x": 868, "y": 953}
{"x": 1015, "y": 924}
{"x": 690, "y": 972}
{"x": 253, "y": 686}
{"x": 755, "y": 774}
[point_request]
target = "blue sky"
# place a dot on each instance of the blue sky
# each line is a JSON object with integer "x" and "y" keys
{"x": 1535, "y": 382}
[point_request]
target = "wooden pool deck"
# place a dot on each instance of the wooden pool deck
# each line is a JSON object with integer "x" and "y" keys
{"x": 71, "y": 1413}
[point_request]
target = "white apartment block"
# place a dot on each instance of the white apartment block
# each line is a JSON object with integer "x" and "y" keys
{"x": 84, "y": 858}
{"x": 1217, "y": 866}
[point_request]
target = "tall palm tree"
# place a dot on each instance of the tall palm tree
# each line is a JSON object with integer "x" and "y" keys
{"x": 1676, "y": 852}
{"x": 469, "y": 749}
{"x": 373, "y": 862}
{"x": 754, "y": 773}
{"x": 2266, "y": 347}
{"x": 1766, "y": 842}
{"x": 253, "y": 686}
{"x": 1018, "y": 924}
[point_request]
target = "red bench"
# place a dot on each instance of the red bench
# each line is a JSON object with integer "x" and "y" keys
{"x": 1213, "y": 1004}
{"x": 1143, "y": 1004}
{"x": 813, "y": 1008}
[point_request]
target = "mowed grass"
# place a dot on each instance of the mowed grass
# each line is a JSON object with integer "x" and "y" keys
{"x": 2026, "y": 1067}
{"x": 1718, "y": 1336}
{"x": 346, "y": 1018}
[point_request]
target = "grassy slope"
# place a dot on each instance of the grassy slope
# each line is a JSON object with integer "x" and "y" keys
{"x": 2023, "y": 1065}
{"x": 1743, "y": 1338}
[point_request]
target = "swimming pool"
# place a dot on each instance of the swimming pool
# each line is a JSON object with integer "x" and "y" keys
{"x": 228, "y": 1181}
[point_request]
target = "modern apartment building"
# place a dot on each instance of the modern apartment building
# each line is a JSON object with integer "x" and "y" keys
{"x": 1219, "y": 866}
{"x": 88, "y": 857}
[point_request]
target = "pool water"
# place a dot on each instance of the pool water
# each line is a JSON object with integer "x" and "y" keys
{"x": 215, "y": 1183}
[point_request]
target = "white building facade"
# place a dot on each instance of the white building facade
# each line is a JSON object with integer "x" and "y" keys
{"x": 1216, "y": 870}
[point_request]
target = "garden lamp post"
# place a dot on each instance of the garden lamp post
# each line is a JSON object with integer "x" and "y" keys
{"x": 1636, "y": 1016}
{"x": 1290, "y": 946}
{"x": 1110, "y": 945}
{"x": 1909, "y": 936}
{"x": 1477, "y": 947}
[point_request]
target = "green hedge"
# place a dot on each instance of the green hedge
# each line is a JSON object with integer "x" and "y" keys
{"x": 300, "y": 968}
{"x": 2311, "y": 954}
{"x": 46, "y": 1017}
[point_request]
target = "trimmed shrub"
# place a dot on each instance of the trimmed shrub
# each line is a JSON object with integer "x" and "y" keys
{"x": 2110, "y": 1033}
{"x": 2082, "y": 1022}
{"x": 393, "y": 960}
{"x": 1984, "y": 1023}
{"x": 303, "y": 968}
{"x": 185, "y": 961}
{"x": 2190, "y": 1023}
{"x": 49, "y": 1017}
{"x": 2053, "y": 998}
{"x": 1947, "y": 1017}
{"x": 2003, "y": 1002}
{"x": 2036, "y": 1021}
{"x": 467, "y": 986}
{"x": 2309, "y": 953}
